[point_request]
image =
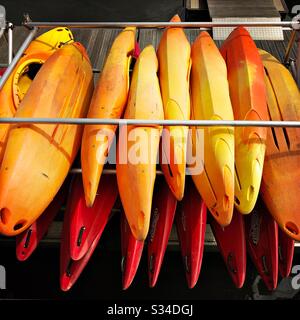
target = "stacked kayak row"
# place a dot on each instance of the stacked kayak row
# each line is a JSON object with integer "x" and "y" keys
{"x": 238, "y": 82}
{"x": 270, "y": 249}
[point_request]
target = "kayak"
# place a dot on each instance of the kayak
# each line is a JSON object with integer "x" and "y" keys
{"x": 132, "y": 250}
{"x": 262, "y": 244}
{"x": 108, "y": 101}
{"x": 280, "y": 184}
{"x": 191, "y": 225}
{"x": 163, "y": 211}
{"x": 28, "y": 240}
{"x": 248, "y": 98}
{"x": 70, "y": 269}
{"x": 174, "y": 71}
{"x": 26, "y": 69}
{"x": 138, "y": 146}
{"x": 231, "y": 242}
{"x": 85, "y": 221}
{"x": 210, "y": 100}
{"x": 286, "y": 247}
{"x": 32, "y": 179}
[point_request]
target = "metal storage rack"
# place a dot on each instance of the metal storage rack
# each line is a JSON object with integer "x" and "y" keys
{"x": 6, "y": 31}
{"x": 291, "y": 28}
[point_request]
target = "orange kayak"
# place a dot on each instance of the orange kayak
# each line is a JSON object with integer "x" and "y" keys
{"x": 174, "y": 70}
{"x": 248, "y": 98}
{"x": 38, "y": 157}
{"x": 109, "y": 100}
{"x": 280, "y": 188}
{"x": 138, "y": 146}
{"x": 210, "y": 100}
{"x": 21, "y": 78}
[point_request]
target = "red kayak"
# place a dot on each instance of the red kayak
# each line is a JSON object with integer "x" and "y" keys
{"x": 231, "y": 242}
{"x": 262, "y": 244}
{"x": 85, "y": 222}
{"x": 27, "y": 241}
{"x": 162, "y": 216}
{"x": 286, "y": 247}
{"x": 191, "y": 226}
{"x": 71, "y": 269}
{"x": 132, "y": 250}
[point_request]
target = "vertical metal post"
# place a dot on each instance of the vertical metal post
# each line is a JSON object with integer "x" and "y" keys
{"x": 289, "y": 47}
{"x": 17, "y": 57}
{"x": 10, "y": 42}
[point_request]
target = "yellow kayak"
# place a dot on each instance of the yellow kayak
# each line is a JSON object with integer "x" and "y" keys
{"x": 249, "y": 102}
{"x": 174, "y": 71}
{"x": 138, "y": 146}
{"x": 38, "y": 157}
{"x": 210, "y": 100}
{"x": 109, "y": 100}
{"x": 280, "y": 188}
{"x": 21, "y": 78}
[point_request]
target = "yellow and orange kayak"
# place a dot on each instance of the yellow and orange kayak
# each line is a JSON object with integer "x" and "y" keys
{"x": 21, "y": 78}
{"x": 138, "y": 146}
{"x": 174, "y": 70}
{"x": 38, "y": 157}
{"x": 210, "y": 100}
{"x": 109, "y": 100}
{"x": 249, "y": 102}
{"x": 280, "y": 187}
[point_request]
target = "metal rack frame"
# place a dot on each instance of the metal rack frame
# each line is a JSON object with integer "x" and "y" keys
{"x": 293, "y": 25}
{"x": 33, "y": 28}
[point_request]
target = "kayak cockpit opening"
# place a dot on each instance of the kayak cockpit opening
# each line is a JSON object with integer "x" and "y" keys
{"x": 25, "y": 77}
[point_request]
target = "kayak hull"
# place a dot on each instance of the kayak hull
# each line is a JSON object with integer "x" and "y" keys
{"x": 71, "y": 269}
{"x": 32, "y": 179}
{"x": 85, "y": 221}
{"x": 138, "y": 146}
{"x": 211, "y": 101}
{"x": 286, "y": 247}
{"x": 248, "y": 98}
{"x": 162, "y": 217}
{"x": 174, "y": 71}
{"x": 108, "y": 101}
{"x": 280, "y": 184}
{"x": 231, "y": 242}
{"x": 262, "y": 244}
{"x": 191, "y": 226}
{"x": 132, "y": 250}
{"x": 20, "y": 79}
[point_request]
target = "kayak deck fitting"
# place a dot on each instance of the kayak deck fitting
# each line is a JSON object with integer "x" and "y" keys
{"x": 100, "y": 40}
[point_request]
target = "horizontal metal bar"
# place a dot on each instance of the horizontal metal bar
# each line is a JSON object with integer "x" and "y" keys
{"x": 106, "y": 171}
{"x": 291, "y": 24}
{"x": 142, "y": 122}
{"x": 18, "y": 55}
